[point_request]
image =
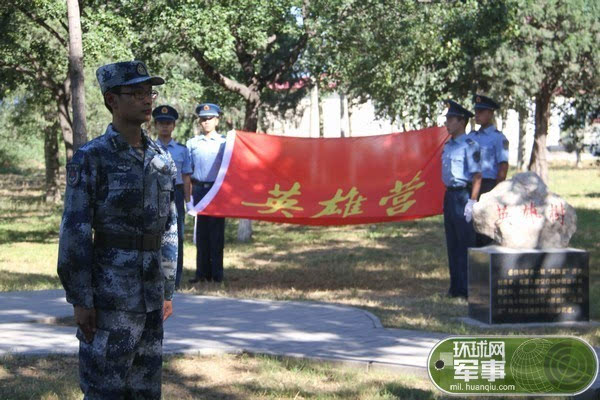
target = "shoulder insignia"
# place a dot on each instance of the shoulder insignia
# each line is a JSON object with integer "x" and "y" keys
{"x": 477, "y": 156}
{"x": 505, "y": 144}
{"x": 73, "y": 174}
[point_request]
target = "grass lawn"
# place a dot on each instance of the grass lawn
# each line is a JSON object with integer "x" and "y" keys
{"x": 398, "y": 271}
{"x": 225, "y": 377}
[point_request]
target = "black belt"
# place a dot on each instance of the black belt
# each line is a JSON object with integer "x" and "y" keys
{"x": 145, "y": 242}
{"x": 202, "y": 184}
{"x": 457, "y": 188}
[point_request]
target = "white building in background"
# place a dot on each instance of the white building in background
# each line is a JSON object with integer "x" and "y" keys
{"x": 344, "y": 121}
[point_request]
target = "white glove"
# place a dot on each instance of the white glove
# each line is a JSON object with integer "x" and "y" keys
{"x": 190, "y": 204}
{"x": 469, "y": 210}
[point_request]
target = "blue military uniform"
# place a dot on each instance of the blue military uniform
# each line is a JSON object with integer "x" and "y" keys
{"x": 460, "y": 161}
{"x": 118, "y": 251}
{"x": 494, "y": 150}
{"x": 180, "y": 155}
{"x": 206, "y": 153}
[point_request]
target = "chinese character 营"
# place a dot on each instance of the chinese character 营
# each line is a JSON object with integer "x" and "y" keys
{"x": 401, "y": 194}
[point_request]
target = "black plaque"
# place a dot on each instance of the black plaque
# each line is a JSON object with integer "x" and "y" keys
{"x": 520, "y": 286}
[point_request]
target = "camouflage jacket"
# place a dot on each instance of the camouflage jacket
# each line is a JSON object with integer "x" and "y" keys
{"x": 112, "y": 188}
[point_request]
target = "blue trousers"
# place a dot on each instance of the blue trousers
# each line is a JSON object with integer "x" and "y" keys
{"x": 210, "y": 241}
{"x": 179, "y": 202}
{"x": 486, "y": 186}
{"x": 460, "y": 235}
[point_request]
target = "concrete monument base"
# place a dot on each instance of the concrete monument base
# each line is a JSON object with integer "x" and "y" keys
{"x": 516, "y": 286}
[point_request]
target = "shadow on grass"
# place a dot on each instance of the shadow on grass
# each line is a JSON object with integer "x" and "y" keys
{"x": 16, "y": 281}
{"x": 377, "y": 257}
{"x": 49, "y": 235}
{"x": 31, "y": 377}
{"x": 56, "y": 376}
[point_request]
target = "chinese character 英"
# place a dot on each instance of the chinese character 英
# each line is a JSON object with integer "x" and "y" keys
{"x": 280, "y": 202}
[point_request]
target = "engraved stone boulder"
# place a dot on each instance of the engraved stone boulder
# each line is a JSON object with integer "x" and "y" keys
{"x": 521, "y": 213}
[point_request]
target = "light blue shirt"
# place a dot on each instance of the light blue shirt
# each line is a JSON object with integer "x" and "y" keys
{"x": 181, "y": 156}
{"x": 494, "y": 150}
{"x": 206, "y": 154}
{"x": 460, "y": 161}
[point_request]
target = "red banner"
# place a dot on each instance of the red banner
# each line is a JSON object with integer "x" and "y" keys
{"x": 332, "y": 181}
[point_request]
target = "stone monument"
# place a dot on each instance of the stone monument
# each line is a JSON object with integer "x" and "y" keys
{"x": 530, "y": 275}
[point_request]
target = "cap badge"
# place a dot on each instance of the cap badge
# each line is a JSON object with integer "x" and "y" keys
{"x": 141, "y": 70}
{"x": 206, "y": 107}
{"x": 478, "y": 99}
{"x": 164, "y": 110}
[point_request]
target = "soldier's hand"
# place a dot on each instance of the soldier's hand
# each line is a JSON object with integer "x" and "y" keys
{"x": 85, "y": 318}
{"x": 167, "y": 309}
{"x": 469, "y": 210}
{"x": 189, "y": 205}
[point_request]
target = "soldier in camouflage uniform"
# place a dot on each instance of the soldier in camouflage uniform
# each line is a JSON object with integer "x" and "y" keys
{"x": 118, "y": 243}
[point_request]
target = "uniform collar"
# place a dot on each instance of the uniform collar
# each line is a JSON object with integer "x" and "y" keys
{"x": 171, "y": 143}
{"x": 118, "y": 143}
{"x": 459, "y": 139}
{"x": 211, "y": 136}
{"x": 489, "y": 129}
{"x": 116, "y": 140}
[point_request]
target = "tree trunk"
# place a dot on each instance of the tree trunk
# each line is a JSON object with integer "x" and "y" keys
{"x": 344, "y": 116}
{"x": 539, "y": 162}
{"x": 52, "y": 183}
{"x": 244, "y": 233}
{"x": 76, "y": 74}
{"x": 64, "y": 118}
{"x": 314, "y": 130}
{"x": 523, "y": 116}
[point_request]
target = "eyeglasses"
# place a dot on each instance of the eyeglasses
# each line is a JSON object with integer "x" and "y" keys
{"x": 141, "y": 94}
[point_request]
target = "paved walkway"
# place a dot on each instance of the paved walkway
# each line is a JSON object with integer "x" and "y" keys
{"x": 209, "y": 325}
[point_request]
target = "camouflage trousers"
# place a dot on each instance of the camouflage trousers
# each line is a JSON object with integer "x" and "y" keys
{"x": 124, "y": 361}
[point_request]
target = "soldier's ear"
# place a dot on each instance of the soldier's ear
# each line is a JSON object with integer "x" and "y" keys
{"x": 110, "y": 100}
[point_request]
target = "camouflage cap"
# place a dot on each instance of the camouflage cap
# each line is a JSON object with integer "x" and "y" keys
{"x": 123, "y": 74}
